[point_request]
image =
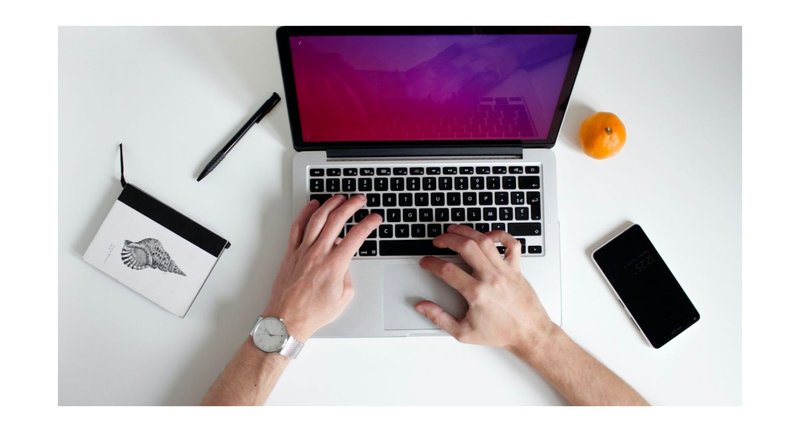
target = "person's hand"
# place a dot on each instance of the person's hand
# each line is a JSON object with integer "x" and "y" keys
{"x": 313, "y": 285}
{"x": 503, "y": 309}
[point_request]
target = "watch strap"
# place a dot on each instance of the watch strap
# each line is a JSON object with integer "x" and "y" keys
{"x": 292, "y": 348}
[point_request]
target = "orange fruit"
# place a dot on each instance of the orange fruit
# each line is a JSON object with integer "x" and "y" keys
{"x": 602, "y": 135}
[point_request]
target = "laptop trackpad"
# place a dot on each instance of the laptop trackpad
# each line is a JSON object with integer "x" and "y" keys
{"x": 404, "y": 285}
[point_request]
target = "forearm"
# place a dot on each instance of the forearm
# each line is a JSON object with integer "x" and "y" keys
{"x": 575, "y": 374}
{"x": 248, "y": 379}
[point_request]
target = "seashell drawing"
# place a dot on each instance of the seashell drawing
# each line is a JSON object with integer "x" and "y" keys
{"x": 148, "y": 253}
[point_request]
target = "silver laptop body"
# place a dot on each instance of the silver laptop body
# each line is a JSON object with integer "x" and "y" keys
{"x": 389, "y": 285}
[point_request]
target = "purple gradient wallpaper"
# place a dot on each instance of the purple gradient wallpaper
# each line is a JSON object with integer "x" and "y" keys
{"x": 442, "y": 87}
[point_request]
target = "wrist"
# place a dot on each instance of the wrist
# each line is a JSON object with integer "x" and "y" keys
{"x": 534, "y": 344}
{"x": 296, "y": 326}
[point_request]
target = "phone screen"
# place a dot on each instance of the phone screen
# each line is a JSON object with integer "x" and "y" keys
{"x": 646, "y": 286}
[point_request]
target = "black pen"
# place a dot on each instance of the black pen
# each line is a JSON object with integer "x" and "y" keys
{"x": 264, "y": 110}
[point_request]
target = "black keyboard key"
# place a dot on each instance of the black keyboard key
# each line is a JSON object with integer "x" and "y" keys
{"x": 410, "y": 247}
{"x": 506, "y": 213}
{"x": 320, "y": 197}
{"x": 522, "y": 244}
{"x": 417, "y": 171}
{"x": 365, "y": 184}
{"x": 385, "y": 231}
{"x": 492, "y": 182}
{"x": 462, "y": 183}
{"x": 367, "y": 171}
{"x": 410, "y": 215}
{"x": 334, "y": 172}
{"x": 477, "y": 183}
{"x": 485, "y": 198}
{"x": 316, "y": 185}
{"x": 489, "y": 214}
{"x": 445, "y": 183}
{"x": 348, "y": 184}
{"x": 532, "y": 170}
{"x": 426, "y": 215}
{"x": 369, "y": 248}
{"x": 482, "y": 227}
{"x": 406, "y": 200}
{"x": 498, "y": 226}
{"x": 381, "y": 212}
{"x": 393, "y": 215}
{"x": 457, "y": 214}
{"x": 474, "y": 214}
{"x": 433, "y": 170}
{"x": 400, "y": 171}
{"x": 437, "y": 199}
{"x": 332, "y": 185}
{"x": 499, "y": 170}
{"x": 466, "y": 170}
{"x": 421, "y": 199}
{"x": 442, "y": 214}
{"x": 373, "y": 200}
{"x": 381, "y": 184}
{"x": 529, "y": 182}
{"x": 470, "y": 198}
{"x": 350, "y": 172}
{"x": 534, "y": 249}
{"x": 384, "y": 171}
{"x": 509, "y": 182}
{"x": 418, "y": 230}
{"x": 449, "y": 170}
{"x": 444, "y": 227}
{"x": 518, "y": 198}
{"x": 515, "y": 170}
{"x": 389, "y": 200}
{"x": 525, "y": 229}
{"x": 501, "y": 198}
{"x": 483, "y": 170}
{"x": 360, "y": 215}
{"x": 412, "y": 183}
{"x": 434, "y": 230}
{"x": 397, "y": 183}
{"x": 521, "y": 214}
{"x": 401, "y": 230}
{"x": 453, "y": 198}
{"x": 534, "y": 199}
{"x": 429, "y": 183}
{"x": 317, "y": 172}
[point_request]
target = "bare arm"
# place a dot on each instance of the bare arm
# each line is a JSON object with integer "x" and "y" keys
{"x": 504, "y": 311}
{"x": 312, "y": 288}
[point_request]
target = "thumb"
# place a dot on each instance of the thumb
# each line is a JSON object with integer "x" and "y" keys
{"x": 440, "y": 317}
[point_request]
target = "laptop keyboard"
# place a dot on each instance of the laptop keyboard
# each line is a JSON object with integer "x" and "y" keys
{"x": 418, "y": 202}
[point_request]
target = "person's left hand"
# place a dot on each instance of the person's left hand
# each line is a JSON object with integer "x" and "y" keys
{"x": 313, "y": 285}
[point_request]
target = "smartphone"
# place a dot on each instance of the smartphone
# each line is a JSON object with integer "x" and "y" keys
{"x": 645, "y": 286}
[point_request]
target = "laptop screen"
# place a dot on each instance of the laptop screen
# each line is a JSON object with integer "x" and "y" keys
{"x": 430, "y": 88}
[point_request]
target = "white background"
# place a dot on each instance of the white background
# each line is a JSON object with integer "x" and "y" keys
{"x": 174, "y": 95}
{"x": 770, "y": 89}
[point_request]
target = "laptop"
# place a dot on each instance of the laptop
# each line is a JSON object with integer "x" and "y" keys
{"x": 435, "y": 126}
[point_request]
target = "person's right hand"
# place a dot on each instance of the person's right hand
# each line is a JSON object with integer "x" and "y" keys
{"x": 504, "y": 311}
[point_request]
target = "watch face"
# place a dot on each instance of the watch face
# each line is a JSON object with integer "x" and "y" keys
{"x": 270, "y": 334}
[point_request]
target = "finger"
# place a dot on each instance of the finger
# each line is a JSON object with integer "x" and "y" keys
{"x": 317, "y": 220}
{"x": 467, "y": 248}
{"x": 441, "y": 318}
{"x": 484, "y": 242}
{"x": 451, "y": 274}
{"x": 349, "y": 290}
{"x": 300, "y": 222}
{"x": 357, "y": 234}
{"x": 338, "y": 217}
{"x": 512, "y": 245}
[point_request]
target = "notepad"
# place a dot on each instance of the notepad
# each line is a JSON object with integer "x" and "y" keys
{"x": 155, "y": 250}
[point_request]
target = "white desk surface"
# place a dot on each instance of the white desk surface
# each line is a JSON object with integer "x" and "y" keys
{"x": 175, "y": 95}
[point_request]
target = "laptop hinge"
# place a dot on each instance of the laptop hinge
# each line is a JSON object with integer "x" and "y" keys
{"x": 489, "y": 152}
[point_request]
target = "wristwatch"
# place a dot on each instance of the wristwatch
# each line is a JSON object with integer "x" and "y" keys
{"x": 270, "y": 335}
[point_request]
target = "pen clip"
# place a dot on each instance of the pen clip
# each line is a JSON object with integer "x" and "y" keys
{"x": 268, "y": 106}
{"x": 121, "y": 168}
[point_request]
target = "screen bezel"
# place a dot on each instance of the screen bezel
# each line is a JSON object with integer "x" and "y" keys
{"x": 284, "y": 33}
{"x": 655, "y": 340}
